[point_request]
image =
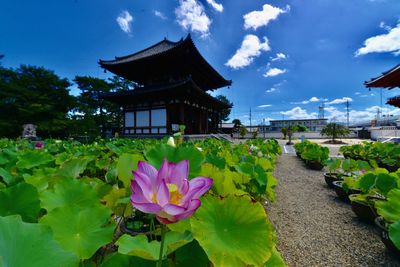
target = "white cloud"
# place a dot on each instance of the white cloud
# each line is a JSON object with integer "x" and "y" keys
{"x": 124, "y": 21}
{"x": 366, "y": 115}
{"x": 274, "y": 72}
{"x": 273, "y": 89}
{"x": 279, "y": 56}
{"x": 383, "y": 25}
{"x": 190, "y": 15}
{"x": 264, "y": 106}
{"x": 251, "y": 47}
{"x": 311, "y": 100}
{"x": 257, "y": 19}
{"x": 340, "y": 101}
{"x": 299, "y": 113}
{"x": 389, "y": 42}
{"x": 159, "y": 14}
{"x": 215, "y": 5}
{"x": 357, "y": 93}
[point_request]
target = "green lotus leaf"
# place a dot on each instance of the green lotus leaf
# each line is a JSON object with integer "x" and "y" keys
{"x": 367, "y": 181}
{"x": 386, "y": 182}
{"x": 120, "y": 260}
{"x": 69, "y": 192}
{"x": 82, "y": 231}
{"x": 73, "y": 167}
{"x": 271, "y": 185}
{"x": 181, "y": 226}
{"x": 159, "y": 152}
{"x": 216, "y": 160}
{"x": 33, "y": 158}
{"x": 390, "y": 209}
{"x": 140, "y": 247}
{"x": 22, "y": 199}
{"x": 265, "y": 164}
{"x": 6, "y": 176}
{"x": 245, "y": 168}
{"x": 125, "y": 165}
{"x": 223, "y": 184}
{"x": 233, "y": 231}
{"x": 394, "y": 233}
{"x": 191, "y": 255}
{"x": 275, "y": 260}
{"x": 260, "y": 175}
{"x": 40, "y": 178}
{"x": 27, "y": 244}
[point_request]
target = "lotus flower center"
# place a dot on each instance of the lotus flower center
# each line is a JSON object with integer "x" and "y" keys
{"x": 174, "y": 195}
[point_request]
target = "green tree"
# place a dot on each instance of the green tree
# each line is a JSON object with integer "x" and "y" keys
{"x": 299, "y": 128}
{"x": 34, "y": 95}
{"x": 236, "y": 123}
{"x": 225, "y": 112}
{"x": 242, "y": 131}
{"x": 92, "y": 110}
{"x": 284, "y": 131}
{"x": 334, "y": 130}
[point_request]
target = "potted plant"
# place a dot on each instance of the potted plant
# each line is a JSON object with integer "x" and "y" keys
{"x": 389, "y": 222}
{"x": 333, "y": 165}
{"x": 374, "y": 185}
{"x": 315, "y": 156}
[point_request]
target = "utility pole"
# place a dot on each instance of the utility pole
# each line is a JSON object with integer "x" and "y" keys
{"x": 264, "y": 127}
{"x": 347, "y": 112}
{"x": 250, "y": 119}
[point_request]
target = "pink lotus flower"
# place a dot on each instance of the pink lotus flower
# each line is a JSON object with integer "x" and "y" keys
{"x": 167, "y": 192}
{"x": 39, "y": 145}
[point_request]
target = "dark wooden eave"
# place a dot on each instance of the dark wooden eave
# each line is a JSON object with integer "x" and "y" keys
{"x": 167, "y": 60}
{"x": 394, "y": 101}
{"x": 389, "y": 79}
{"x": 183, "y": 90}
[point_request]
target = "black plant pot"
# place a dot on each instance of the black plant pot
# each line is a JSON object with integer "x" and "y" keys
{"x": 379, "y": 221}
{"x": 332, "y": 177}
{"x": 314, "y": 165}
{"x": 388, "y": 167}
{"x": 342, "y": 195}
{"x": 364, "y": 211}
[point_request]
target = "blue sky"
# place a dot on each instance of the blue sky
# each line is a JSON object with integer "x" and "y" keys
{"x": 284, "y": 57}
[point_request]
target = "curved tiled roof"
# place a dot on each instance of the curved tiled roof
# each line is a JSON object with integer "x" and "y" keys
{"x": 167, "y": 60}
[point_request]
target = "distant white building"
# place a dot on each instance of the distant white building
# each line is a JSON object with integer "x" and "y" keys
{"x": 314, "y": 125}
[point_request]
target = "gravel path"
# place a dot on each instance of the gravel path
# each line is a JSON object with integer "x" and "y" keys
{"x": 315, "y": 228}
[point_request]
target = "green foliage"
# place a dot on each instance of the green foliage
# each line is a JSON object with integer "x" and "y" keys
{"x": 33, "y": 95}
{"x": 333, "y": 164}
{"x": 233, "y": 231}
{"x": 224, "y": 114}
{"x": 236, "y": 123}
{"x": 28, "y": 244}
{"x": 242, "y": 131}
{"x": 390, "y": 211}
{"x": 335, "y": 130}
{"x": 80, "y": 230}
{"x": 78, "y": 198}
{"x": 20, "y": 199}
{"x": 313, "y": 152}
{"x": 140, "y": 247}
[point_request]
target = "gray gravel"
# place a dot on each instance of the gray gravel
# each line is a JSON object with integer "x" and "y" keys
{"x": 315, "y": 228}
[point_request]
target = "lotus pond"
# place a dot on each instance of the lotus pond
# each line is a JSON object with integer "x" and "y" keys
{"x": 137, "y": 203}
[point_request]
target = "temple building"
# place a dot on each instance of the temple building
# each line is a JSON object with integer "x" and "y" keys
{"x": 389, "y": 79}
{"x": 173, "y": 80}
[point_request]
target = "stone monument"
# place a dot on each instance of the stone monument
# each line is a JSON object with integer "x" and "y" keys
{"x": 29, "y": 131}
